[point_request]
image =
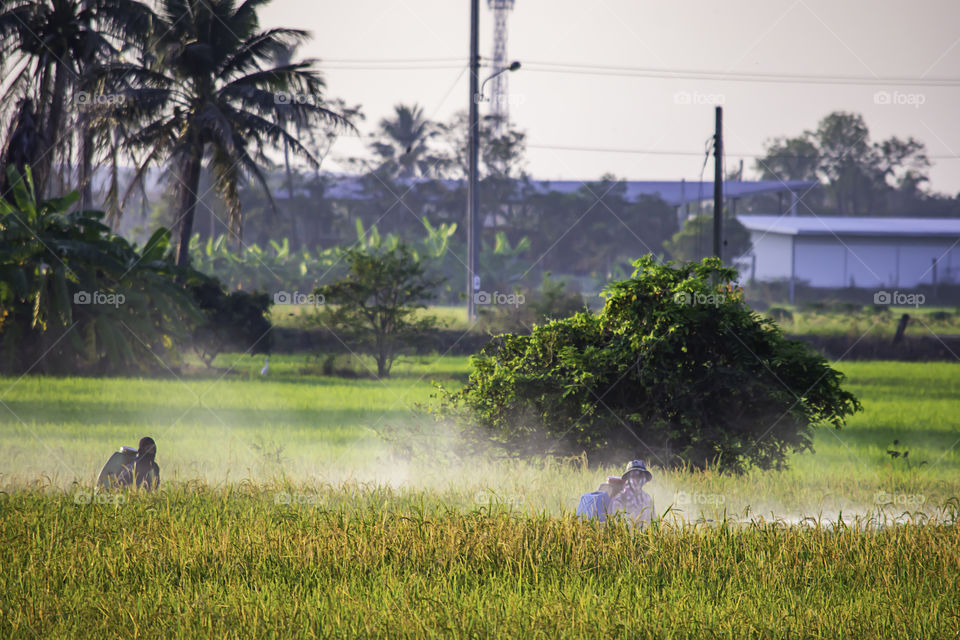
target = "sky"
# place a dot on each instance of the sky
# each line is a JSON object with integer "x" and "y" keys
{"x": 681, "y": 59}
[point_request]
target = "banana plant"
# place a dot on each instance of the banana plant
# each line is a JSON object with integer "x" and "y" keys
{"x": 503, "y": 265}
{"x": 75, "y": 295}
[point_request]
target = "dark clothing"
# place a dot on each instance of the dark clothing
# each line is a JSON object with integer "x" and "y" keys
{"x": 145, "y": 471}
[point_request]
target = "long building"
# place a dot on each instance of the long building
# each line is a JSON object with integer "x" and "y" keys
{"x": 866, "y": 253}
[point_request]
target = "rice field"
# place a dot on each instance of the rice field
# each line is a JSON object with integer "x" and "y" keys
{"x": 297, "y": 505}
{"x": 876, "y": 321}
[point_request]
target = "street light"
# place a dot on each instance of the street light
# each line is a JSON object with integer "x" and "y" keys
{"x": 473, "y": 160}
{"x": 513, "y": 67}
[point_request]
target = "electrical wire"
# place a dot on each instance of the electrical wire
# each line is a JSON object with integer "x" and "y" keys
{"x": 460, "y": 60}
{"x": 664, "y": 152}
{"x": 421, "y": 67}
{"x": 734, "y": 76}
{"x": 387, "y": 64}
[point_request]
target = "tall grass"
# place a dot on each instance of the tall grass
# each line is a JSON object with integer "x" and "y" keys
{"x": 194, "y": 562}
{"x": 284, "y": 512}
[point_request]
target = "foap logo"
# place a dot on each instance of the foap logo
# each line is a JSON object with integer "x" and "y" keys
{"x": 699, "y": 299}
{"x": 99, "y": 298}
{"x": 899, "y": 99}
{"x": 84, "y": 498}
{"x": 697, "y": 498}
{"x": 883, "y": 498}
{"x": 296, "y": 498}
{"x": 295, "y": 297}
{"x": 489, "y": 498}
{"x": 86, "y": 100}
{"x": 497, "y": 298}
{"x": 286, "y": 97}
{"x": 699, "y": 98}
{"x": 899, "y": 298}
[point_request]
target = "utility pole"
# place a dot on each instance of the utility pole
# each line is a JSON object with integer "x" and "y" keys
{"x": 718, "y": 186}
{"x": 472, "y": 160}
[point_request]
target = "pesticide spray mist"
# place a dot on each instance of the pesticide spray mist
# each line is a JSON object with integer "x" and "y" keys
{"x": 419, "y": 459}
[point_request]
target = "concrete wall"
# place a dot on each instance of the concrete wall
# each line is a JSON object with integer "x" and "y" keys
{"x": 773, "y": 254}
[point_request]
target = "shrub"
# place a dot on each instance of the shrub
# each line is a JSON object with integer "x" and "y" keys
{"x": 675, "y": 368}
{"x": 695, "y": 238}
{"x": 550, "y": 302}
{"x": 780, "y": 314}
{"x": 231, "y": 321}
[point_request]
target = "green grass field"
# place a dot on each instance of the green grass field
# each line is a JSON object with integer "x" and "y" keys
{"x": 925, "y": 321}
{"x": 308, "y": 506}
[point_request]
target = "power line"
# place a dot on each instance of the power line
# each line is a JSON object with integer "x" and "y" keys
{"x": 665, "y": 152}
{"x": 734, "y": 76}
{"x": 388, "y": 64}
{"x": 410, "y": 67}
{"x": 460, "y": 60}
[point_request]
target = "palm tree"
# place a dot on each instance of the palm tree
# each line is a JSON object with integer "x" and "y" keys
{"x": 208, "y": 87}
{"x": 46, "y": 49}
{"x": 403, "y": 143}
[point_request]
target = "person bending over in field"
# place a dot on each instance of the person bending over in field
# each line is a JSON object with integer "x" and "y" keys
{"x": 632, "y": 500}
{"x": 132, "y": 467}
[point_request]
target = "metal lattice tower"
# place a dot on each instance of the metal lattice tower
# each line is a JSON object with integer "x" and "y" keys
{"x": 498, "y": 94}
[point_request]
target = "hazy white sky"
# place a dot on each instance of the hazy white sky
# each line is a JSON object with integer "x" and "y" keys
{"x": 868, "y": 39}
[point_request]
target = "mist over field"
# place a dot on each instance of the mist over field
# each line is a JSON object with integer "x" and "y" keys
{"x": 312, "y": 437}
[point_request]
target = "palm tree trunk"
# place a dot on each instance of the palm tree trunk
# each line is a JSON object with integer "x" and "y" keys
{"x": 51, "y": 131}
{"x": 190, "y": 177}
{"x": 86, "y": 164}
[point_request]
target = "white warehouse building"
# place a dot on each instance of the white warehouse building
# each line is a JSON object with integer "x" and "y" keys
{"x": 837, "y": 252}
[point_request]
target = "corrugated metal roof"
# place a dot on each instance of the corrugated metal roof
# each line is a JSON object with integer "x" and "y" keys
{"x": 672, "y": 192}
{"x": 844, "y": 226}
{"x": 675, "y": 192}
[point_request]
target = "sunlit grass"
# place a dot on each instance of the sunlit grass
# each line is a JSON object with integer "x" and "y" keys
{"x": 879, "y": 322}
{"x": 299, "y": 316}
{"x": 195, "y": 562}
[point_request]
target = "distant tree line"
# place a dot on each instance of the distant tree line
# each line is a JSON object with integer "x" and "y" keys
{"x": 595, "y": 231}
{"x": 860, "y": 177}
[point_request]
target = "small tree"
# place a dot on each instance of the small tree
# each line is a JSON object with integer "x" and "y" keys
{"x": 676, "y": 368}
{"x": 374, "y": 307}
{"x": 695, "y": 239}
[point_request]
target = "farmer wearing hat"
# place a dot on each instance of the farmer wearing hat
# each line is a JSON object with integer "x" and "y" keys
{"x": 632, "y": 500}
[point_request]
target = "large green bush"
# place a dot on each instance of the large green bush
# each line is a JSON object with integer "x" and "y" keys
{"x": 676, "y": 368}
